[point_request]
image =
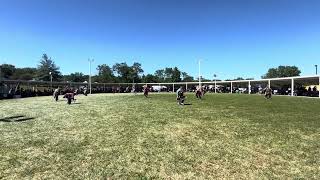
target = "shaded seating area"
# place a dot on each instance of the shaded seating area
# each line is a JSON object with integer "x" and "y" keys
{"x": 291, "y": 86}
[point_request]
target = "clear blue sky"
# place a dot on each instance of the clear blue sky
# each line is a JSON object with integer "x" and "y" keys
{"x": 233, "y": 37}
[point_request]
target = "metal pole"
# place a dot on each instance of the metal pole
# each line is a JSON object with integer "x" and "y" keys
{"x": 215, "y": 86}
{"x": 199, "y": 75}
{"x": 292, "y": 87}
{"x": 134, "y": 70}
{"x": 90, "y": 83}
{"x": 186, "y": 87}
{"x": 173, "y": 87}
{"x": 159, "y": 88}
{"x": 51, "y": 82}
{"x": 249, "y": 90}
{"x": 50, "y": 73}
{"x": 231, "y": 88}
{"x": 90, "y": 78}
{"x": 215, "y": 83}
{"x": 316, "y": 69}
{"x": 269, "y": 84}
{"x": 1, "y": 90}
{"x": 319, "y": 87}
{"x": 0, "y": 74}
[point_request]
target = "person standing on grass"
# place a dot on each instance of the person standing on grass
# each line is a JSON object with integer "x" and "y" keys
{"x": 134, "y": 89}
{"x": 56, "y": 94}
{"x": 199, "y": 92}
{"x": 85, "y": 91}
{"x": 268, "y": 94}
{"x": 180, "y": 96}
{"x": 69, "y": 95}
{"x": 145, "y": 90}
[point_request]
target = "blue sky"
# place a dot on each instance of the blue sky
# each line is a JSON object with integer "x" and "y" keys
{"x": 233, "y": 37}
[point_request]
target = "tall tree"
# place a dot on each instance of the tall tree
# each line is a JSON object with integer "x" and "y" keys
{"x": 176, "y": 75}
{"x": 136, "y": 69}
{"x": 186, "y": 77}
{"x": 122, "y": 70}
{"x": 149, "y": 78}
{"x": 7, "y": 70}
{"x": 168, "y": 74}
{"x": 75, "y": 77}
{"x": 128, "y": 73}
{"x": 282, "y": 71}
{"x": 105, "y": 74}
{"x": 46, "y": 66}
{"x": 160, "y": 75}
{"x": 25, "y": 74}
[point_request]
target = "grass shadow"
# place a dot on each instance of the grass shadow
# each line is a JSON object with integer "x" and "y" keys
{"x": 24, "y": 119}
{"x": 16, "y": 119}
{"x": 5, "y": 120}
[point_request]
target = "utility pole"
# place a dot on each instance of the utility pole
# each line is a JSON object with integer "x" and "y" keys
{"x": 90, "y": 86}
{"x": 215, "y": 83}
{"x": 133, "y": 85}
{"x": 199, "y": 74}
{"x": 133, "y": 76}
{"x": 316, "y": 69}
{"x": 50, "y": 73}
{"x": 1, "y": 90}
{"x": 0, "y": 74}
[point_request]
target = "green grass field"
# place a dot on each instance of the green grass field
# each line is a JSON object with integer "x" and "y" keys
{"x": 121, "y": 136}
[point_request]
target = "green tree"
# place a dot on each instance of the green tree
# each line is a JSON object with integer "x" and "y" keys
{"x": 239, "y": 79}
{"x": 7, "y": 70}
{"x": 75, "y": 77}
{"x": 123, "y": 71}
{"x": 168, "y": 72}
{"x": 46, "y": 66}
{"x": 176, "y": 75}
{"x": 128, "y": 73}
{"x": 25, "y": 74}
{"x": 282, "y": 71}
{"x": 149, "y": 78}
{"x": 136, "y": 69}
{"x": 168, "y": 75}
{"x": 160, "y": 75}
{"x": 105, "y": 74}
{"x": 186, "y": 77}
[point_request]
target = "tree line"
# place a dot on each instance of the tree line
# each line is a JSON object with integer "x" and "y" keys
{"x": 119, "y": 73}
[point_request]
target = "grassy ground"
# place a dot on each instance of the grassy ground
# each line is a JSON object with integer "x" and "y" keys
{"x": 127, "y": 136}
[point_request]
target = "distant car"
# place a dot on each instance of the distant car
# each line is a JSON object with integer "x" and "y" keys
{"x": 157, "y": 88}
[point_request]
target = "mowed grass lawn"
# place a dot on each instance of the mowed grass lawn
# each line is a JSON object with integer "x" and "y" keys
{"x": 121, "y": 136}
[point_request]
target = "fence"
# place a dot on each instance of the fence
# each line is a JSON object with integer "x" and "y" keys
{"x": 294, "y": 86}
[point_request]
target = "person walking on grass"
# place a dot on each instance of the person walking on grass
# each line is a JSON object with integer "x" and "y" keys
{"x": 69, "y": 95}
{"x": 56, "y": 94}
{"x": 268, "y": 94}
{"x": 146, "y": 90}
{"x": 85, "y": 91}
{"x": 180, "y": 96}
{"x": 199, "y": 92}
